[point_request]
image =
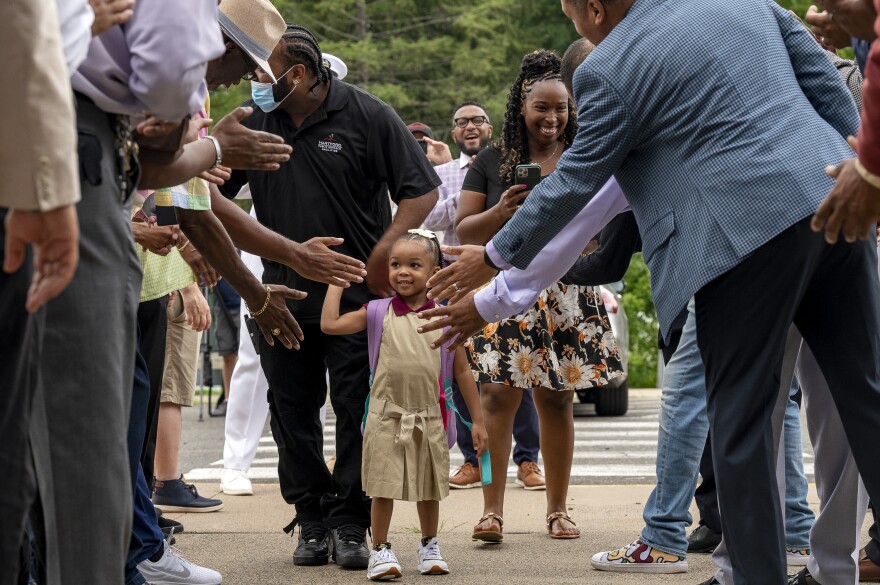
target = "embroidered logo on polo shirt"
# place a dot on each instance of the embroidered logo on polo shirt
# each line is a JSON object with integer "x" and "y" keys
{"x": 330, "y": 144}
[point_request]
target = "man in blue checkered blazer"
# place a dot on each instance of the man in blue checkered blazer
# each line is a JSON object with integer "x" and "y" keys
{"x": 718, "y": 119}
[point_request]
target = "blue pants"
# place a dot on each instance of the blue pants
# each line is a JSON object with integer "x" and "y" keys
{"x": 146, "y": 536}
{"x": 525, "y": 429}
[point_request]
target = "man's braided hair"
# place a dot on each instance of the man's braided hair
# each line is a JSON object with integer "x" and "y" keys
{"x": 540, "y": 65}
{"x": 302, "y": 48}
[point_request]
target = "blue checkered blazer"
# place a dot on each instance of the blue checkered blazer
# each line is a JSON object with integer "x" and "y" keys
{"x": 717, "y": 118}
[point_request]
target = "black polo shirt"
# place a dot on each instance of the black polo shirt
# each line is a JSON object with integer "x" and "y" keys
{"x": 347, "y": 157}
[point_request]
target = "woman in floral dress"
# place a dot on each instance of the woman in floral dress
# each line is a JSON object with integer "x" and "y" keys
{"x": 564, "y": 342}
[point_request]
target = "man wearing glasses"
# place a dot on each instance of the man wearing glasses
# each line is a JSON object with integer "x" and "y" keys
{"x": 472, "y": 132}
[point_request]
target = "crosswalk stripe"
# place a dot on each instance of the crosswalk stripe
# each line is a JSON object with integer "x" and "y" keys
{"x": 605, "y": 448}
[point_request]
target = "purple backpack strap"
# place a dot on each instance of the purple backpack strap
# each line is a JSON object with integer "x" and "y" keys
{"x": 447, "y": 406}
{"x": 375, "y": 324}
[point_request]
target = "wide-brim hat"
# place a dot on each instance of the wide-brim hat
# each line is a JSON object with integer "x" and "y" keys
{"x": 336, "y": 65}
{"x": 254, "y": 25}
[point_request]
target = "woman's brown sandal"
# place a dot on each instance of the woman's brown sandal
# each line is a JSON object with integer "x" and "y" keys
{"x": 551, "y": 518}
{"x": 490, "y": 536}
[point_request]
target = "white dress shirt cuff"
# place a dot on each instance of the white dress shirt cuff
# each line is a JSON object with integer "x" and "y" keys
{"x": 496, "y": 258}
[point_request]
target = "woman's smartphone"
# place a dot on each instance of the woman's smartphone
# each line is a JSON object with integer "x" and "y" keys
{"x": 528, "y": 175}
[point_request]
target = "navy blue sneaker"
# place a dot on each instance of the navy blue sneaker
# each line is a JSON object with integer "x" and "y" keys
{"x": 175, "y": 495}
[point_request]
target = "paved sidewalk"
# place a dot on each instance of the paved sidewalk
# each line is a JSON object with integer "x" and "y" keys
{"x": 245, "y": 543}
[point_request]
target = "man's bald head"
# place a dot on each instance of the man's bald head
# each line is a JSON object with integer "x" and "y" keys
{"x": 571, "y": 60}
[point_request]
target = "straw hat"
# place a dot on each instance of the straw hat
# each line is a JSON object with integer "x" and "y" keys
{"x": 255, "y": 26}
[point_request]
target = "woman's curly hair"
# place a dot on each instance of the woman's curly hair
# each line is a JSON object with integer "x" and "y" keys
{"x": 539, "y": 65}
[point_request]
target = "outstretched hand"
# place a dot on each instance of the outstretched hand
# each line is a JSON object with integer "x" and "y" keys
{"x": 55, "y": 238}
{"x": 852, "y": 205}
{"x": 277, "y": 321}
{"x": 466, "y": 274}
{"x": 316, "y": 261}
{"x": 248, "y": 149}
{"x": 462, "y": 319}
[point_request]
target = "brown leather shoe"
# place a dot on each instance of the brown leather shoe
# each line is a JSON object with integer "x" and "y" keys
{"x": 868, "y": 571}
{"x": 530, "y": 477}
{"x": 466, "y": 476}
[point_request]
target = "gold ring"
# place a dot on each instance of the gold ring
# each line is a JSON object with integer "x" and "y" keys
{"x": 276, "y": 332}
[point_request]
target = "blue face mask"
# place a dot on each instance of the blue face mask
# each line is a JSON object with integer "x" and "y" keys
{"x": 263, "y": 94}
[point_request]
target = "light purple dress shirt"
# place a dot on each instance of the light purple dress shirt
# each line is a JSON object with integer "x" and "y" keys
{"x": 442, "y": 217}
{"x": 156, "y": 62}
{"x": 514, "y": 291}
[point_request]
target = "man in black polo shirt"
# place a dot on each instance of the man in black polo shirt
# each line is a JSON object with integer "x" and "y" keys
{"x": 350, "y": 150}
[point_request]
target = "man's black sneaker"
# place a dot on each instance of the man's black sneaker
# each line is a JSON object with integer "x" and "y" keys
{"x": 802, "y": 577}
{"x": 703, "y": 540}
{"x": 314, "y": 545}
{"x": 169, "y": 526}
{"x": 350, "y": 547}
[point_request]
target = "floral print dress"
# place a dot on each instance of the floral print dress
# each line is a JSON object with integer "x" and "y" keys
{"x": 564, "y": 342}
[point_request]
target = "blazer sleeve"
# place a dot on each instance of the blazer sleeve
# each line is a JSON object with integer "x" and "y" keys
{"x": 38, "y": 159}
{"x": 816, "y": 75}
{"x": 869, "y": 135}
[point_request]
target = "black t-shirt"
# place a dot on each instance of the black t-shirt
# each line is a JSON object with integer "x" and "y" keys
{"x": 347, "y": 157}
{"x": 483, "y": 176}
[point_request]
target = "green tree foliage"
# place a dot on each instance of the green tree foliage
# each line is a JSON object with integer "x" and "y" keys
{"x": 425, "y": 56}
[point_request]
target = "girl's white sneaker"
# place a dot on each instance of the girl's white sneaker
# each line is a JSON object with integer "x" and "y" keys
{"x": 383, "y": 565}
{"x": 430, "y": 560}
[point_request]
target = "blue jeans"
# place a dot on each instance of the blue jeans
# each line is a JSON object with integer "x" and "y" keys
{"x": 684, "y": 426}
{"x": 525, "y": 429}
{"x": 799, "y": 518}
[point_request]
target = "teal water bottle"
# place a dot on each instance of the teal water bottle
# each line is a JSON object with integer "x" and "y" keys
{"x": 486, "y": 468}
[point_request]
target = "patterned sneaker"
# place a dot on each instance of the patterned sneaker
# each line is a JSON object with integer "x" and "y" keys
{"x": 797, "y": 557}
{"x": 430, "y": 560}
{"x": 383, "y": 564}
{"x": 638, "y": 557}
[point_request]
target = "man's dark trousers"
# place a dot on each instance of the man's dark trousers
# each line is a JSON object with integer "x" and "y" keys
{"x": 153, "y": 325}
{"x": 743, "y": 318}
{"x": 525, "y": 429}
{"x": 297, "y": 390}
{"x": 16, "y": 365}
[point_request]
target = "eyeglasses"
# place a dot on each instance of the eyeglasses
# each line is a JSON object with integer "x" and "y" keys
{"x": 477, "y": 120}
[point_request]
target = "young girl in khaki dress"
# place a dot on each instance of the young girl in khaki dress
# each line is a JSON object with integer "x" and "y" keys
{"x": 406, "y": 457}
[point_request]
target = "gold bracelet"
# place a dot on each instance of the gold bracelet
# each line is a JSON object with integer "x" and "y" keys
{"x": 868, "y": 176}
{"x": 265, "y": 304}
{"x": 183, "y": 247}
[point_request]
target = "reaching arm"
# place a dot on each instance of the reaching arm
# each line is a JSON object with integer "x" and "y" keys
{"x": 869, "y": 134}
{"x": 207, "y": 234}
{"x": 313, "y": 259}
{"x": 442, "y": 217}
{"x": 513, "y": 291}
{"x": 332, "y": 323}
{"x": 410, "y": 214}
{"x": 468, "y": 388}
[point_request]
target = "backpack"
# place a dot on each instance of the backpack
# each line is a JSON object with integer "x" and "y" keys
{"x": 376, "y": 311}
